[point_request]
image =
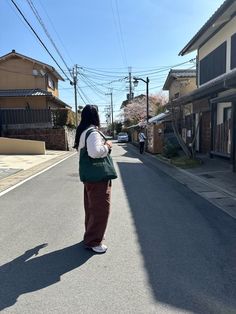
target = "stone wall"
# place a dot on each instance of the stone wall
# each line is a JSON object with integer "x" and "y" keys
{"x": 70, "y": 136}
{"x": 55, "y": 139}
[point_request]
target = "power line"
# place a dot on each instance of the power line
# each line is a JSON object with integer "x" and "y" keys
{"x": 119, "y": 32}
{"x": 32, "y": 29}
{"x": 90, "y": 83}
{"x": 79, "y": 93}
{"x": 148, "y": 69}
{"x": 36, "y": 13}
{"x": 58, "y": 36}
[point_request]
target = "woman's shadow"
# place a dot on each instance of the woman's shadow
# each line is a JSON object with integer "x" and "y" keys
{"x": 23, "y": 274}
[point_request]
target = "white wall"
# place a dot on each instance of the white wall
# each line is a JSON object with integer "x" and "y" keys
{"x": 220, "y": 111}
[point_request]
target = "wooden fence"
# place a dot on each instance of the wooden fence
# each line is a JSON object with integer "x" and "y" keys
{"x": 222, "y": 138}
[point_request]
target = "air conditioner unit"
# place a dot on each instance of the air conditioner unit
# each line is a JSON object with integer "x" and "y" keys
{"x": 35, "y": 72}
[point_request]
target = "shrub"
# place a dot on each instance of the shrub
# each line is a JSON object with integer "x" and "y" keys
{"x": 170, "y": 150}
{"x": 63, "y": 117}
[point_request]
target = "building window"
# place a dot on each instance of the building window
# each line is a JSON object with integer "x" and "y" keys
{"x": 214, "y": 64}
{"x": 51, "y": 83}
{"x": 227, "y": 114}
{"x": 233, "y": 52}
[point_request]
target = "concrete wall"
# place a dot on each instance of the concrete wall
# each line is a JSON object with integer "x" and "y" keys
{"x": 57, "y": 139}
{"x": 37, "y": 102}
{"x": 10, "y": 146}
{"x": 182, "y": 86}
{"x": 155, "y": 138}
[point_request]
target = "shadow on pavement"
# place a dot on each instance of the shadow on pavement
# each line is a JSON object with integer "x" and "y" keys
{"x": 23, "y": 274}
{"x": 188, "y": 245}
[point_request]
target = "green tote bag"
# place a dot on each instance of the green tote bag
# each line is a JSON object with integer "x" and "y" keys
{"x": 95, "y": 169}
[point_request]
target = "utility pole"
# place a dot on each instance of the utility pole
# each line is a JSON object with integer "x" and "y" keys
{"x": 112, "y": 122}
{"x": 75, "y": 80}
{"x": 130, "y": 84}
{"x": 136, "y": 79}
{"x": 147, "y": 96}
{"x": 108, "y": 116}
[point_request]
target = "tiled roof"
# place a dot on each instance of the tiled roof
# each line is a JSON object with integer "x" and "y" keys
{"x": 217, "y": 85}
{"x": 181, "y": 73}
{"x": 159, "y": 117}
{"x": 31, "y": 92}
{"x": 23, "y": 92}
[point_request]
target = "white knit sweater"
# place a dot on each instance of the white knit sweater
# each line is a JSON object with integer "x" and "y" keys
{"x": 95, "y": 144}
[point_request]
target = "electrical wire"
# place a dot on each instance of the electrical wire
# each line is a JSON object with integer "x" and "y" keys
{"x": 119, "y": 32}
{"x": 36, "y": 13}
{"x": 149, "y": 69}
{"x": 79, "y": 92}
{"x": 58, "y": 36}
{"x": 93, "y": 87}
{"x": 37, "y": 36}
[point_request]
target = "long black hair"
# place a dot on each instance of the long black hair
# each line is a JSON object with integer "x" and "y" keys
{"x": 89, "y": 115}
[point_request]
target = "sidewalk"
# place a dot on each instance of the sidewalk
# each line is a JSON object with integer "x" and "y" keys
{"x": 213, "y": 180}
{"x": 17, "y": 168}
{"x": 218, "y": 172}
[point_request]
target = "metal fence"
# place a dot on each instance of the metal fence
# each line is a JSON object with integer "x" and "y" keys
{"x": 25, "y": 116}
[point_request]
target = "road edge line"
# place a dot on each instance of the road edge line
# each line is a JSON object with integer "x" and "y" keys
{"x": 33, "y": 176}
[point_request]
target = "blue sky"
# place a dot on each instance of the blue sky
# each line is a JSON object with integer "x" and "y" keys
{"x": 106, "y": 37}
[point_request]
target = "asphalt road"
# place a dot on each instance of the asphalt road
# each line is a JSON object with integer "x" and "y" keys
{"x": 170, "y": 251}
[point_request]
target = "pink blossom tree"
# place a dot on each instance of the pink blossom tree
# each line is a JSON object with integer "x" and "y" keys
{"x": 136, "y": 110}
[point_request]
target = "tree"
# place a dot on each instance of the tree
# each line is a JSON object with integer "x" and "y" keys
{"x": 117, "y": 127}
{"x": 136, "y": 110}
{"x": 190, "y": 151}
{"x": 175, "y": 116}
{"x": 161, "y": 102}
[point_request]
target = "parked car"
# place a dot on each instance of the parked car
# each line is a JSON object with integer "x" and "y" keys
{"x": 123, "y": 137}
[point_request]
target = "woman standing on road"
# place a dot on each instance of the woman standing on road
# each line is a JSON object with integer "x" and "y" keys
{"x": 96, "y": 194}
{"x": 142, "y": 139}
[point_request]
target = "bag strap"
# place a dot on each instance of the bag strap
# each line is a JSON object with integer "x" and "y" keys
{"x": 141, "y": 136}
{"x": 91, "y": 130}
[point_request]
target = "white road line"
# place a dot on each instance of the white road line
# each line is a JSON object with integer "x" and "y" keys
{"x": 33, "y": 176}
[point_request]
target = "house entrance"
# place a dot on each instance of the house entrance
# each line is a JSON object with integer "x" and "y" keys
{"x": 205, "y": 132}
{"x": 222, "y": 130}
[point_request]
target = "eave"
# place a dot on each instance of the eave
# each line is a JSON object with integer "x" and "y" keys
{"x": 221, "y": 17}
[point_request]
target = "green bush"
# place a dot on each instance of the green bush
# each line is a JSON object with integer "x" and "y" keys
{"x": 170, "y": 150}
{"x": 63, "y": 117}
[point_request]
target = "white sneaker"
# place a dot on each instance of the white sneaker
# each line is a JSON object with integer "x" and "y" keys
{"x": 100, "y": 249}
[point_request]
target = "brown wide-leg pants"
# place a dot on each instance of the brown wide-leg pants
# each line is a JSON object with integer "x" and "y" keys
{"x": 97, "y": 197}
